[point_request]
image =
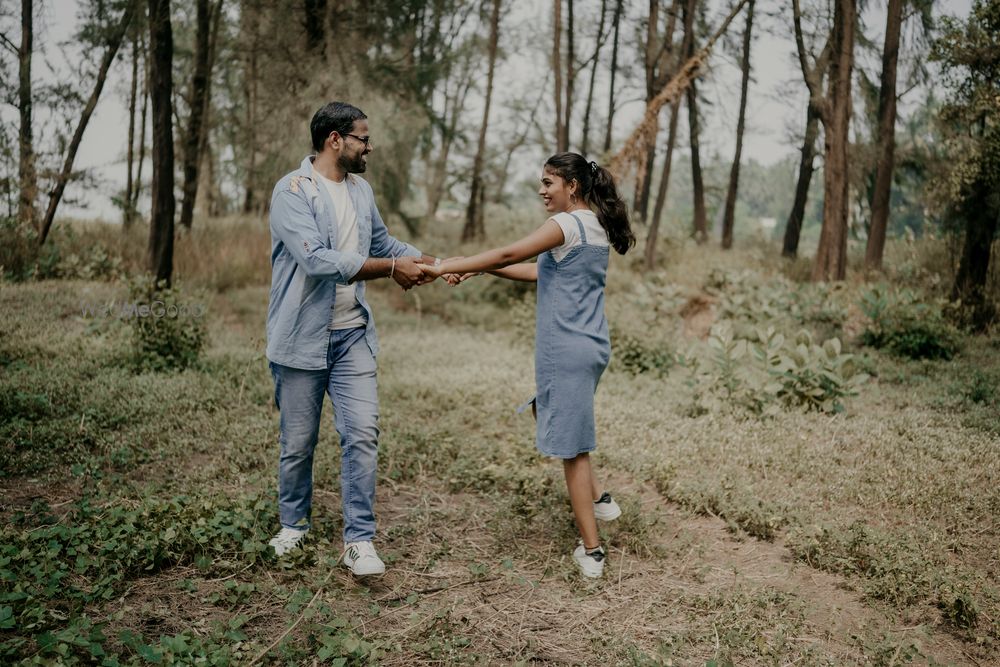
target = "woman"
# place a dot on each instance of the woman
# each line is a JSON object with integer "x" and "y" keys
{"x": 572, "y": 347}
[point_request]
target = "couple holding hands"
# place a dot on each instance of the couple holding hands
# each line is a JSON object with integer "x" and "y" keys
{"x": 328, "y": 239}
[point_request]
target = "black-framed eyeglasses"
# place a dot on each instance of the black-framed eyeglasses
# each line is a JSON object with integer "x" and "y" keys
{"x": 365, "y": 140}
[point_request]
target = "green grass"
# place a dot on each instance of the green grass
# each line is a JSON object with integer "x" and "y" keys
{"x": 136, "y": 505}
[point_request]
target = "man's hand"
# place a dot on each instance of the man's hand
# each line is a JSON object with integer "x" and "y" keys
{"x": 407, "y": 273}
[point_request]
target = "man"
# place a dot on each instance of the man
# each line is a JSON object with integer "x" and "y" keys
{"x": 327, "y": 239}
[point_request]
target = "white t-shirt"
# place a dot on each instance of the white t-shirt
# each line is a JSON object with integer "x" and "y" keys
{"x": 571, "y": 231}
{"x": 346, "y": 313}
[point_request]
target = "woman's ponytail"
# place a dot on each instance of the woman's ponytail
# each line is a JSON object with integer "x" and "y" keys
{"x": 611, "y": 210}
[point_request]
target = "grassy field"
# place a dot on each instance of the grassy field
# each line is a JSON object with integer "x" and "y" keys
{"x": 757, "y": 531}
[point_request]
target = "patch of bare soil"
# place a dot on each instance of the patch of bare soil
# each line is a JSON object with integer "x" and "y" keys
{"x": 698, "y": 315}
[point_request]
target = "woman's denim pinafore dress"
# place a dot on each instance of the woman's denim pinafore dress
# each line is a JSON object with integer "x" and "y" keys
{"x": 572, "y": 347}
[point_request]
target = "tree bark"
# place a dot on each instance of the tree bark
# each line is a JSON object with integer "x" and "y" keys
{"x": 570, "y": 75}
{"x": 981, "y": 222}
{"x": 314, "y": 22}
{"x": 700, "y": 227}
{"x": 114, "y": 41}
{"x": 585, "y": 144}
{"x": 557, "y": 68}
{"x": 813, "y": 77}
{"x": 640, "y": 200}
{"x": 831, "y": 256}
{"x": 661, "y": 193}
{"x": 161, "y": 228}
{"x": 199, "y": 100}
{"x": 616, "y": 22}
{"x": 474, "y": 228}
{"x": 886, "y": 139}
{"x": 248, "y": 20}
{"x": 734, "y": 173}
{"x": 128, "y": 216}
{"x": 700, "y": 224}
{"x": 142, "y": 131}
{"x": 793, "y": 228}
{"x": 26, "y": 175}
{"x": 439, "y": 169}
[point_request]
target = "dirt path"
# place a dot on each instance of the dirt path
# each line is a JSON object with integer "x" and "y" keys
{"x": 464, "y": 581}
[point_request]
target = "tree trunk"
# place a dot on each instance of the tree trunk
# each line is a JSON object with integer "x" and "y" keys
{"x": 886, "y": 139}
{"x": 557, "y": 68}
{"x": 26, "y": 174}
{"x": 700, "y": 223}
{"x": 134, "y": 207}
{"x": 640, "y": 200}
{"x": 831, "y": 256}
{"x": 700, "y": 227}
{"x": 314, "y": 23}
{"x": 199, "y": 99}
{"x": 570, "y": 75}
{"x": 616, "y": 22}
{"x": 793, "y": 227}
{"x": 585, "y": 144}
{"x": 128, "y": 216}
{"x": 661, "y": 193}
{"x": 161, "y": 227}
{"x": 249, "y": 23}
{"x": 115, "y": 39}
{"x": 734, "y": 174}
{"x": 474, "y": 228}
{"x": 981, "y": 221}
{"x": 439, "y": 169}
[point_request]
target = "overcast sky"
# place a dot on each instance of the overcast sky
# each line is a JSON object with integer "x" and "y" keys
{"x": 776, "y": 105}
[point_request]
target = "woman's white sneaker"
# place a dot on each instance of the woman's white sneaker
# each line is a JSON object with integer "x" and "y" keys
{"x": 606, "y": 509}
{"x": 362, "y": 558}
{"x": 591, "y": 562}
{"x": 287, "y": 539}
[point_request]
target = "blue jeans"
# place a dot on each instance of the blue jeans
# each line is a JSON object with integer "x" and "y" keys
{"x": 349, "y": 379}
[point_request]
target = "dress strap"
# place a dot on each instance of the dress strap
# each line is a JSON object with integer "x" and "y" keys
{"x": 583, "y": 234}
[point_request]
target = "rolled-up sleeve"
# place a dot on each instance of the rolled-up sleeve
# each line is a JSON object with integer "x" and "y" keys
{"x": 292, "y": 222}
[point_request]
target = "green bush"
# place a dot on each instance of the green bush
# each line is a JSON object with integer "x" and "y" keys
{"x": 764, "y": 373}
{"x": 748, "y": 300}
{"x": 168, "y": 329}
{"x": 65, "y": 254}
{"x": 633, "y": 356}
{"x": 900, "y": 323}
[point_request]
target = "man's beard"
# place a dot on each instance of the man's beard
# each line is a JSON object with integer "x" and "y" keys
{"x": 355, "y": 165}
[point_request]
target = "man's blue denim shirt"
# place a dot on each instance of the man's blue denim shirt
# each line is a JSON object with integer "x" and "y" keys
{"x": 306, "y": 265}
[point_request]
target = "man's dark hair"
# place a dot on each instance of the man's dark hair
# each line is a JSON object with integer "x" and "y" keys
{"x": 336, "y": 117}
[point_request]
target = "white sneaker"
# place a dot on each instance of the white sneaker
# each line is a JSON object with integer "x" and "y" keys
{"x": 606, "y": 509}
{"x": 362, "y": 559}
{"x": 591, "y": 564}
{"x": 287, "y": 539}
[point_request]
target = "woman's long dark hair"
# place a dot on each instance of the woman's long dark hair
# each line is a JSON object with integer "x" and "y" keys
{"x": 598, "y": 189}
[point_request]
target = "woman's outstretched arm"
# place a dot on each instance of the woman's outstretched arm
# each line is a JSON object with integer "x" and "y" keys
{"x": 526, "y": 272}
{"x": 546, "y": 237}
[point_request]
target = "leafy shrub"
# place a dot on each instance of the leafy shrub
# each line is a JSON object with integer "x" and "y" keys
{"x": 18, "y": 250}
{"x": 633, "y": 356}
{"x": 765, "y": 373}
{"x": 64, "y": 255}
{"x": 167, "y": 326}
{"x": 981, "y": 388}
{"x": 747, "y": 300}
{"x": 53, "y": 573}
{"x": 905, "y": 326}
